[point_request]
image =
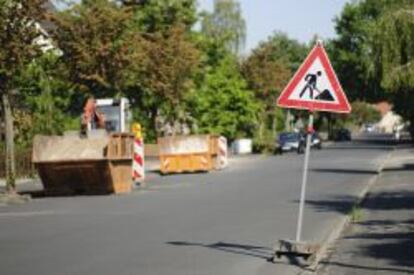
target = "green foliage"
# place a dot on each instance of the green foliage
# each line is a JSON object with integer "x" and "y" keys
{"x": 97, "y": 45}
{"x": 284, "y": 47}
{"x": 18, "y": 35}
{"x": 356, "y": 214}
{"x": 45, "y": 98}
{"x": 353, "y": 60}
{"x": 266, "y": 143}
{"x": 19, "y": 30}
{"x": 140, "y": 49}
{"x": 223, "y": 105}
{"x": 165, "y": 76}
{"x": 160, "y": 15}
{"x": 395, "y": 45}
{"x": 267, "y": 71}
{"x": 264, "y": 140}
{"x": 374, "y": 52}
{"x": 225, "y": 25}
{"x": 356, "y": 61}
{"x": 363, "y": 112}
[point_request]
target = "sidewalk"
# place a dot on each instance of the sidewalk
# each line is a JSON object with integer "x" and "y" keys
{"x": 383, "y": 241}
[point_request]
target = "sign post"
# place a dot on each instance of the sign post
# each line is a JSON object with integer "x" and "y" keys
{"x": 314, "y": 87}
{"x": 304, "y": 178}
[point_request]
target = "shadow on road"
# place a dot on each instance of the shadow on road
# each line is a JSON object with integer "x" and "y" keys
{"x": 40, "y": 194}
{"x": 340, "y": 204}
{"x": 359, "y": 146}
{"x": 241, "y": 249}
{"x": 398, "y": 200}
{"x": 405, "y": 167}
{"x": 261, "y": 252}
{"x": 344, "y": 171}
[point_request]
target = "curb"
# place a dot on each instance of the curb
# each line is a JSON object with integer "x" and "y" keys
{"x": 344, "y": 221}
{"x": 7, "y": 199}
{"x": 19, "y": 181}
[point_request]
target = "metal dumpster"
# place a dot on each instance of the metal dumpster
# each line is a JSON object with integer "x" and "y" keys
{"x": 194, "y": 153}
{"x": 69, "y": 165}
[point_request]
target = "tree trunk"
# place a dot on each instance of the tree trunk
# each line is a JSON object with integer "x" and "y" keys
{"x": 411, "y": 129}
{"x": 274, "y": 124}
{"x": 288, "y": 121}
{"x": 10, "y": 158}
{"x": 261, "y": 129}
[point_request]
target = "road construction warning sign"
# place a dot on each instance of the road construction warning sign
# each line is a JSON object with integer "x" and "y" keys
{"x": 315, "y": 86}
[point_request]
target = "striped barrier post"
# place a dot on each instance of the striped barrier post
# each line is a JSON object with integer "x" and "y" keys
{"x": 138, "y": 170}
{"x": 222, "y": 156}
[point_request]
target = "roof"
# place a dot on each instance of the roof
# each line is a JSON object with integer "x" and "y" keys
{"x": 47, "y": 25}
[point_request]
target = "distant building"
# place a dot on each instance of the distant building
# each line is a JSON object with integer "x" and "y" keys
{"x": 389, "y": 120}
{"x": 46, "y": 27}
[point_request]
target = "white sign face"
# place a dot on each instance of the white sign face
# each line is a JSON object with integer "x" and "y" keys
{"x": 315, "y": 85}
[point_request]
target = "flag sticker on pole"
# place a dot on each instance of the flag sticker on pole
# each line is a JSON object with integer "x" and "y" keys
{"x": 315, "y": 86}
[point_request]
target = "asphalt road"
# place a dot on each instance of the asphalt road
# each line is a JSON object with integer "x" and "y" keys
{"x": 218, "y": 223}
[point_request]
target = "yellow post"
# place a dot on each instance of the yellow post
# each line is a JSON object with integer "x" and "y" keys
{"x": 137, "y": 130}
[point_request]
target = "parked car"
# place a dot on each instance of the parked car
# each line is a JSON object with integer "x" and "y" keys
{"x": 369, "y": 127}
{"x": 288, "y": 141}
{"x": 292, "y": 141}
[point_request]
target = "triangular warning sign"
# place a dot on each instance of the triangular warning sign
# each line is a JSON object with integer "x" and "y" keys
{"x": 315, "y": 86}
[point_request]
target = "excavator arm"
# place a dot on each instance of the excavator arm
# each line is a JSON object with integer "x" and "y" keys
{"x": 91, "y": 117}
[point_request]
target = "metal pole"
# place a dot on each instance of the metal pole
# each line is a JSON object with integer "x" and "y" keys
{"x": 304, "y": 178}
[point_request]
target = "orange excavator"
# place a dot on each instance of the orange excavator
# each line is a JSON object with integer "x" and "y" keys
{"x": 91, "y": 117}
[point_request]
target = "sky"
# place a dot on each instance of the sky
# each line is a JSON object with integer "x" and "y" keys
{"x": 300, "y": 19}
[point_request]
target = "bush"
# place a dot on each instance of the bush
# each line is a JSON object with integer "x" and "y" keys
{"x": 266, "y": 144}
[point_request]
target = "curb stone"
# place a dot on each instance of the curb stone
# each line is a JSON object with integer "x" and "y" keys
{"x": 344, "y": 221}
{"x": 6, "y": 199}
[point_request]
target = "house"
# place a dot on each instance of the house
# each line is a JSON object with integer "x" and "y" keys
{"x": 45, "y": 27}
{"x": 389, "y": 120}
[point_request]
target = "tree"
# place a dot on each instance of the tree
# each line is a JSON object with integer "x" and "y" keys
{"x": 374, "y": 52}
{"x": 225, "y": 25}
{"x": 166, "y": 78}
{"x": 97, "y": 45}
{"x": 141, "y": 49}
{"x": 45, "y": 100}
{"x": 266, "y": 75}
{"x": 19, "y": 22}
{"x": 289, "y": 49}
{"x": 352, "y": 51}
{"x": 394, "y": 46}
{"x": 160, "y": 15}
{"x": 363, "y": 112}
{"x": 223, "y": 105}
{"x": 354, "y": 60}
{"x": 267, "y": 71}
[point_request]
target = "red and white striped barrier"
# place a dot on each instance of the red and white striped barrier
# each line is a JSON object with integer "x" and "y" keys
{"x": 222, "y": 156}
{"x": 138, "y": 171}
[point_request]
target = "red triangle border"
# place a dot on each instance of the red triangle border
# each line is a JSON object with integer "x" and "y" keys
{"x": 342, "y": 106}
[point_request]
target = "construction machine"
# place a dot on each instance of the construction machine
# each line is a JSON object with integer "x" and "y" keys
{"x": 113, "y": 115}
{"x": 95, "y": 160}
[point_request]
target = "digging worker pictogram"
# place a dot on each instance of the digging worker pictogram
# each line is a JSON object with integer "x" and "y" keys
{"x": 311, "y": 80}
